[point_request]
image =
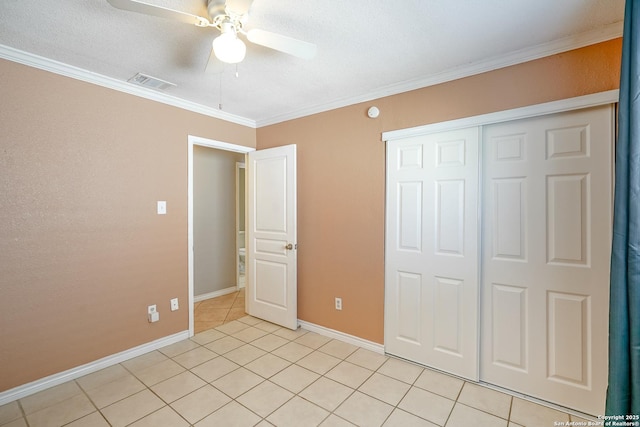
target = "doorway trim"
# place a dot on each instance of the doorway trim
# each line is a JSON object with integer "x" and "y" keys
{"x": 239, "y": 166}
{"x": 210, "y": 143}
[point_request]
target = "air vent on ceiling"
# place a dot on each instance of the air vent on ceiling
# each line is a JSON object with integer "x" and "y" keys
{"x": 150, "y": 82}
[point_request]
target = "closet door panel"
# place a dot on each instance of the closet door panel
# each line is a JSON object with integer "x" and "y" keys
{"x": 431, "y": 302}
{"x": 545, "y": 258}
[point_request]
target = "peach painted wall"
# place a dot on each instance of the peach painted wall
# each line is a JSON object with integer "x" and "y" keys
{"x": 82, "y": 251}
{"x": 341, "y": 173}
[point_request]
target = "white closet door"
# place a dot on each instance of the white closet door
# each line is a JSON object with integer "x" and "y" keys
{"x": 546, "y": 248}
{"x": 432, "y": 251}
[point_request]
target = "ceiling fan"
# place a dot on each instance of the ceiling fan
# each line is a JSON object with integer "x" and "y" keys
{"x": 229, "y": 18}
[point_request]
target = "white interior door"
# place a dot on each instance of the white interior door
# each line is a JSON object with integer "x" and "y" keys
{"x": 431, "y": 294}
{"x": 547, "y": 234}
{"x": 271, "y": 273}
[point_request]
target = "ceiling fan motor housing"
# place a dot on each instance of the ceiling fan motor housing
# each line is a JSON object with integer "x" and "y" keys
{"x": 215, "y": 8}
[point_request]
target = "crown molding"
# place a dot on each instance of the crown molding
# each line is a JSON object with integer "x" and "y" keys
{"x": 565, "y": 44}
{"x": 599, "y": 35}
{"x": 77, "y": 73}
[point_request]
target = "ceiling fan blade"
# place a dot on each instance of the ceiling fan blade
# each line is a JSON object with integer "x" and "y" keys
{"x": 214, "y": 65}
{"x": 238, "y": 7}
{"x": 162, "y": 12}
{"x": 282, "y": 43}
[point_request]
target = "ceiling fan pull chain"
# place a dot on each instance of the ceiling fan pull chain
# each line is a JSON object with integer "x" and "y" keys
{"x": 220, "y": 93}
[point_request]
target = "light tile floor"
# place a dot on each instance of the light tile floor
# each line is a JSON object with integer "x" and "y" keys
{"x": 217, "y": 311}
{"x": 248, "y": 372}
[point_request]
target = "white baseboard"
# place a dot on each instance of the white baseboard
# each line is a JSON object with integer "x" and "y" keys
{"x": 349, "y": 339}
{"x": 79, "y": 371}
{"x": 219, "y": 293}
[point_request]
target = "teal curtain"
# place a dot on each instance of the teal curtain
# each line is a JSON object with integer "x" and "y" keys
{"x": 623, "y": 393}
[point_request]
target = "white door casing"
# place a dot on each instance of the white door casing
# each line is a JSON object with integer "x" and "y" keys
{"x": 240, "y": 223}
{"x": 431, "y": 305}
{"x": 204, "y": 142}
{"x": 271, "y": 254}
{"x": 546, "y": 250}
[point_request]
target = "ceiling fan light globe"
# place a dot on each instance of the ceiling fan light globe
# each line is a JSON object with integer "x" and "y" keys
{"x": 229, "y": 48}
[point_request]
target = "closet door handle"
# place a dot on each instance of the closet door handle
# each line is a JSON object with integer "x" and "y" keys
{"x": 289, "y": 246}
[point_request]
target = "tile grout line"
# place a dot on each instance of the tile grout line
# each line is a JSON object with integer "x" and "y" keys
{"x": 412, "y": 384}
{"x": 92, "y": 402}
{"x": 23, "y": 412}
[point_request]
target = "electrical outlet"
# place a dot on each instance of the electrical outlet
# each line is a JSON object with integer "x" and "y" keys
{"x": 174, "y": 304}
{"x": 338, "y": 303}
{"x": 152, "y": 313}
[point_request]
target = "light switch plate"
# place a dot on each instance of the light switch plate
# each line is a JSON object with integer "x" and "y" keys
{"x": 162, "y": 207}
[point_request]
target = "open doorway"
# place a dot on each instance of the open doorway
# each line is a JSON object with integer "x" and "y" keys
{"x": 215, "y": 222}
{"x": 213, "y": 219}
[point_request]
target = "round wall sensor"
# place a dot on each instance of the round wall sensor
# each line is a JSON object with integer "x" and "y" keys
{"x": 373, "y": 112}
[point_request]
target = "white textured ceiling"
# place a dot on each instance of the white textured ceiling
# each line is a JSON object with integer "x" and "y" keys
{"x": 366, "y": 48}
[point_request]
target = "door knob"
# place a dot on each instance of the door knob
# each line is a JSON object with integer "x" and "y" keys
{"x": 289, "y": 246}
